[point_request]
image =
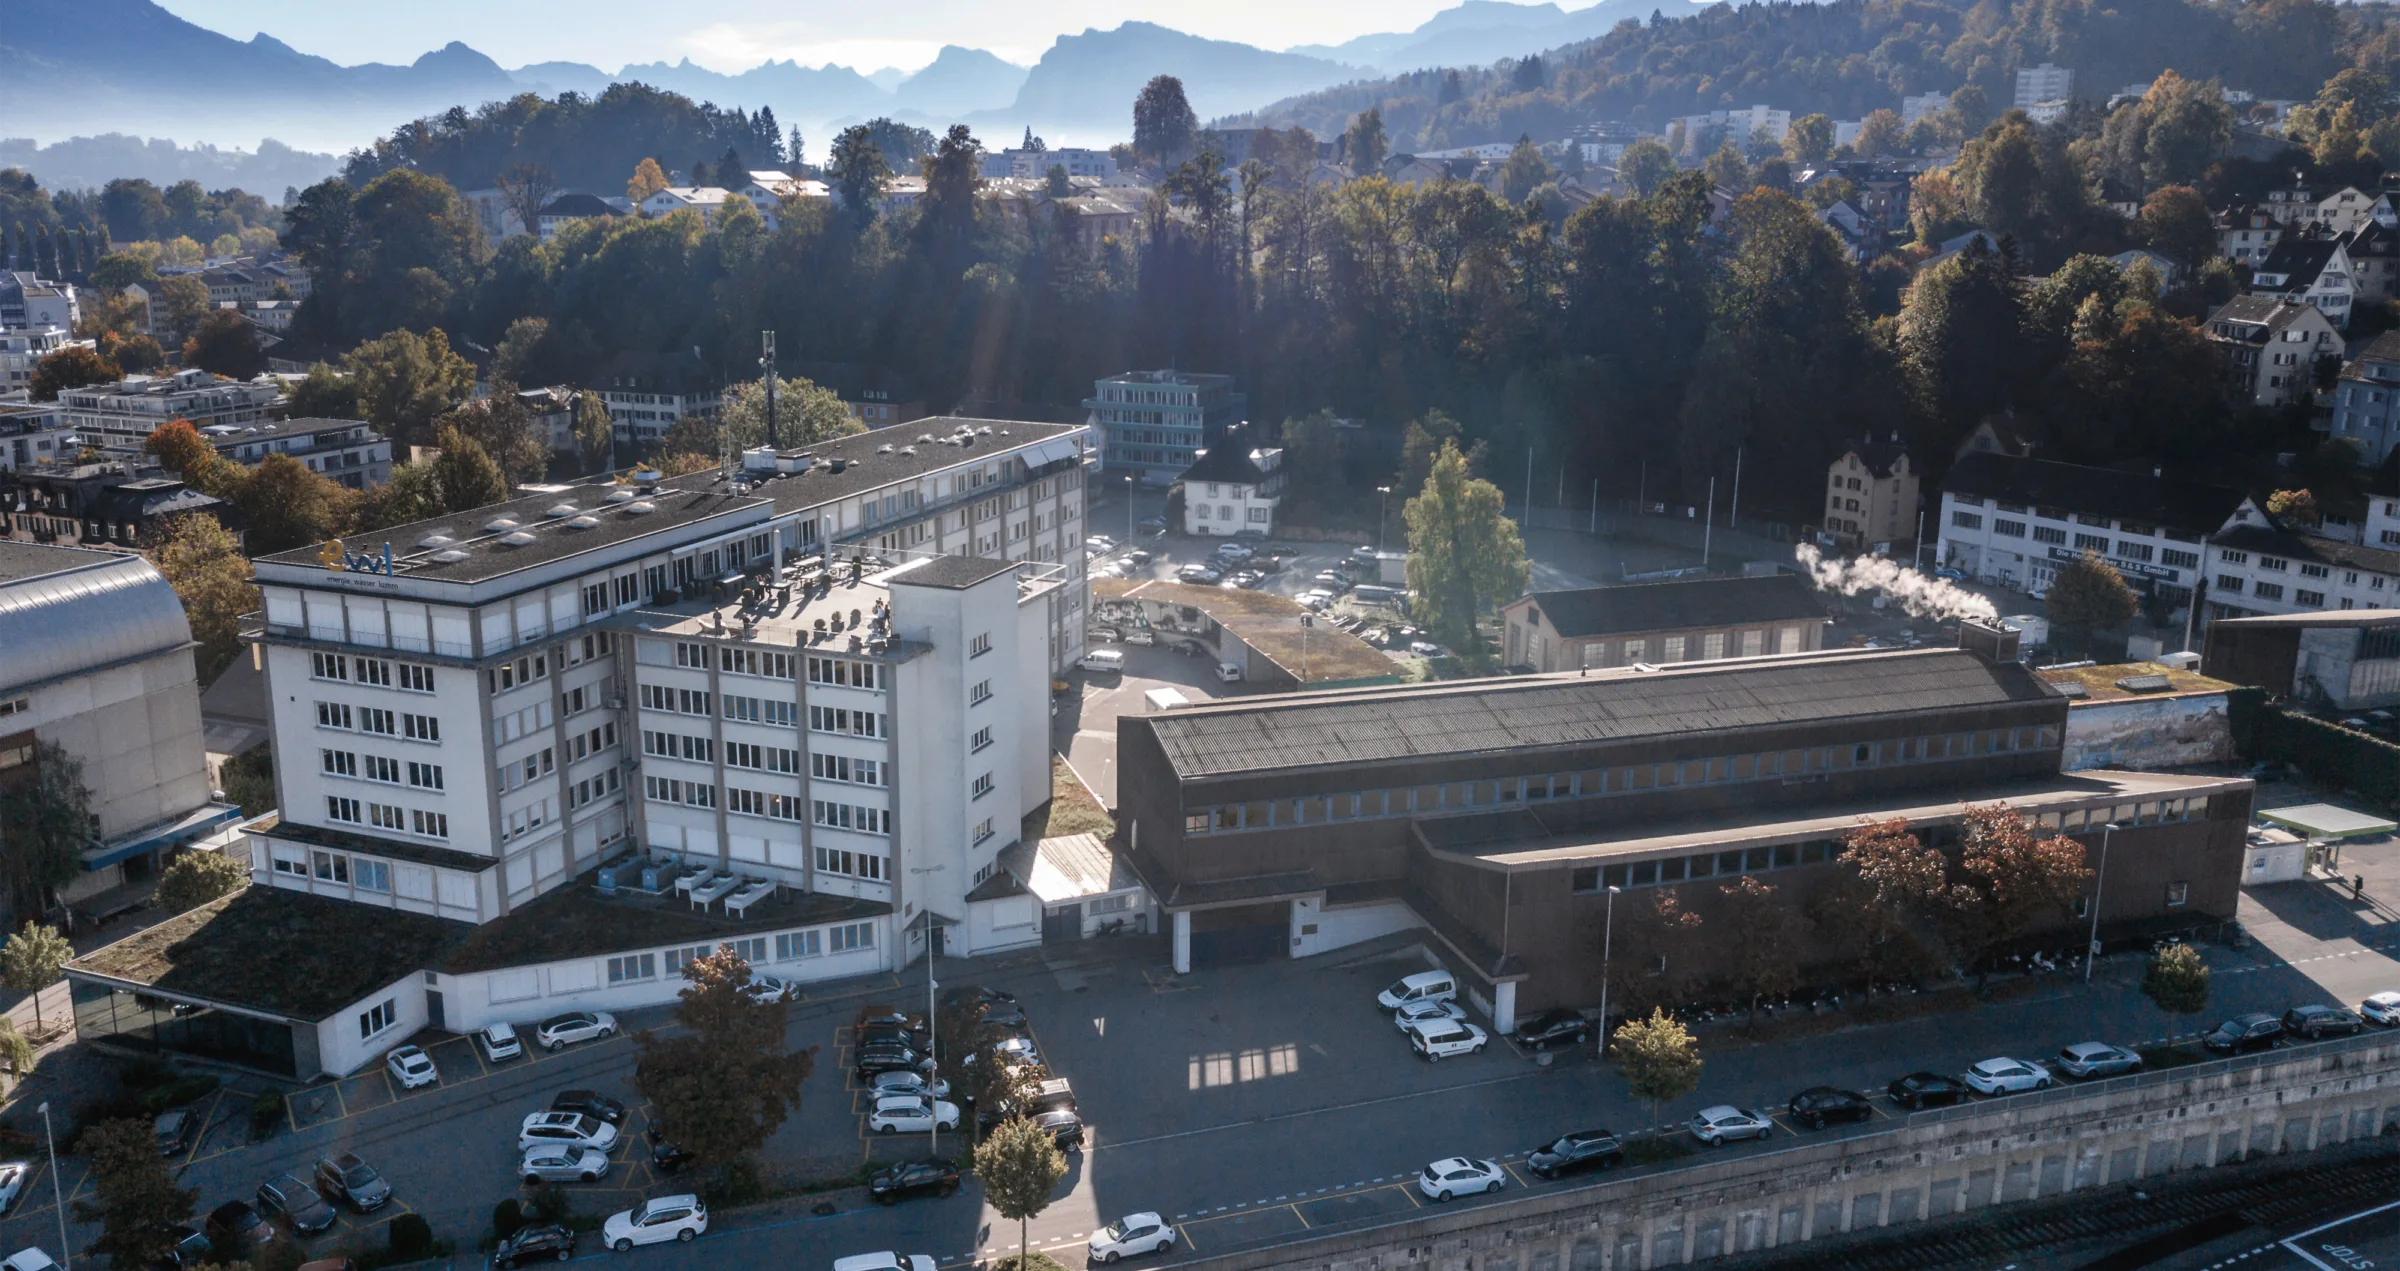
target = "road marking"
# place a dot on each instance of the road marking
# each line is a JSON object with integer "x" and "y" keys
{"x": 1297, "y": 1214}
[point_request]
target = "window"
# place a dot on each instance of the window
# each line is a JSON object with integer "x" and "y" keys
{"x": 2050, "y": 534}
{"x": 848, "y": 936}
{"x": 328, "y": 666}
{"x": 633, "y": 966}
{"x": 2229, "y": 582}
{"x": 384, "y": 770}
{"x": 340, "y": 809}
{"x": 2131, "y": 550}
{"x": 425, "y": 776}
{"x": 374, "y": 720}
{"x": 2177, "y": 559}
{"x": 414, "y": 678}
{"x": 2178, "y": 893}
{"x": 2315, "y": 571}
{"x": 2013, "y": 529}
{"x": 2232, "y": 558}
{"x": 983, "y": 830}
{"x": 2275, "y": 563}
{"x": 432, "y": 825}
{"x": 374, "y": 671}
{"x": 828, "y": 719}
{"x": 1586, "y": 879}
{"x": 2311, "y": 598}
{"x": 845, "y": 816}
{"x": 373, "y": 875}
{"x": 2268, "y": 591}
{"x": 2091, "y": 542}
{"x": 340, "y": 763}
{"x": 384, "y": 816}
{"x": 981, "y": 787}
{"x": 981, "y": 693}
{"x": 843, "y": 672}
{"x": 421, "y": 728}
{"x": 980, "y": 645}
{"x": 981, "y": 739}
{"x": 333, "y": 715}
{"x": 1966, "y": 520}
{"x": 798, "y": 944}
{"x": 865, "y": 772}
{"x": 378, "y": 1017}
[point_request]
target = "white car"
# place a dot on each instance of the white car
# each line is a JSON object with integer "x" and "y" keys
{"x": 560, "y": 1031}
{"x": 766, "y": 988}
{"x": 2007, "y": 1076}
{"x": 884, "y": 1262}
{"x": 565, "y": 1127}
{"x": 1415, "y": 1013}
{"x": 666, "y": 1218}
{"x": 1724, "y": 1123}
{"x": 911, "y": 1114}
{"x": 499, "y": 1042}
{"x": 1441, "y": 1038}
{"x": 906, "y": 1082}
{"x": 1131, "y": 1235}
{"x": 2096, "y": 1059}
{"x": 31, "y": 1258}
{"x": 411, "y": 1067}
{"x": 1459, "y": 1176}
{"x": 2383, "y": 1008}
{"x": 12, "y": 1181}
{"x": 561, "y": 1163}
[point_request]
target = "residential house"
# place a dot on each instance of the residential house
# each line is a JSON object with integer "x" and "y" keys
{"x": 646, "y": 396}
{"x": 767, "y": 191}
{"x": 2374, "y": 251}
{"x": 2247, "y": 234}
{"x": 1155, "y": 423}
{"x": 1862, "y": 238}
{"x": 1415, "y": 172}
{"x": 109, "y": 504}
{"x": 35, "y": 436}
{"x": 1233, "y": 487}
{"x": 235, "y": 284}
{"x": 1917, "y": 107}
{"x": 566, "y": 209}
{"x": 1687, "y": 620}
{"x": 2269, "y": 349}
{"x": 2042, "y": 85}
{"x": 706, "y": 200}
{"x": 2259, "y": 569}
{"x": 2344, "y": 210}
{"x": 1871, "y": 501}
{"x": 2001, "y": 434}
{"x": 553, "y": 410}
{"x": 2014, "y": 521}
{"x": 493, "y": 214}
{"x": 2309, "y": 270}
{"x": 1102, "y": 214}
{"x": 2171, "y": 271}
{"x": 1033, "y": 165}
{"x": 2292, "y": 206}
{"x": 1952, "y": 246}
{"x": 2366, "y": 401}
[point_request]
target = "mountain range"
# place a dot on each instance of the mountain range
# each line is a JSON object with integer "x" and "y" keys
{"x": 163, "y": 76}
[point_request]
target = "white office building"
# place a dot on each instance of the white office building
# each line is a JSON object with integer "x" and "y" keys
{"x": 127, "y": 411}
{"x": 2041, "y": 85}
{"x": 22, "y": 348}
{"x": 2014, "y": 521}
{"x": 548, "y": 750}
{"x": 345, "y": 451}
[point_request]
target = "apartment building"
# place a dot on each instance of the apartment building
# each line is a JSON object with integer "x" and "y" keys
{"x": 1155, "y": 423}
{"x": 2269, "y": 349}
{"x": 2258, "y": 570}
{"x": 1033, "y": 165}
{"x": 2014, "y": 521}
{"x": 812, "y": 691}
{"x": 647, "y": 396}
{"x": 2366, "y": 401}
{"x": 2310, "y": 271}
{"x": 34, "y": 436}
{"x": 21, "y": 348}
{"x": 2041, "y": 85}
{"x": 30, "y": 301}
{"x": 125, "y": 413}
{"x": 113, "y": 504}
{"x": 346, "y": 451}
{"x": 1233, "y": 488}
{"x": 1871, "y": 497}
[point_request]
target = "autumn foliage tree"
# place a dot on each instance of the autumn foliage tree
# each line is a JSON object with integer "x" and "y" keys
{"x": 728, "y": 1080}
{"x": 2011, "y": 878}
{"x": 1877, "y": 907}
{"x": 1651, "y": 962}
{"x": 1774, "y": 937}
{"x": 137, "y": 1201}
{"x": 203, "y": 562}
{"x": 71, "y": 367}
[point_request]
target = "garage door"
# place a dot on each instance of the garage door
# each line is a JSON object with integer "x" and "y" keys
{"x": 1248, "y": 933}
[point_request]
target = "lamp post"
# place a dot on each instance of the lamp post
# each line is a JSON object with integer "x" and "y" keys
{"x": 1383, "y": 517}
{"x": 1128, "y": 509}
{"x": 2091, "y": 951}
{"x": 66, "y": 1257}
{"x": 1608, "y": 932}
{"x": 933, "y": 1102}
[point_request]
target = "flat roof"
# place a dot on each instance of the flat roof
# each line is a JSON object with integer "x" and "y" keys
{"x": 1450, "y": 718}
{"x": 274, "y": 826}
{"x": 2100, "y": 682}
{"x": 278, "y": 952}
{"x": 24, "y": 562}
{"x": 2326, "y": 821}
{"x": 1679, "y": 605}
{"x": 2327, "y": 618}
{"x": 1269, "y": 624}
{"x": 1519, "y": 839}
{"x": 576, "y": 921}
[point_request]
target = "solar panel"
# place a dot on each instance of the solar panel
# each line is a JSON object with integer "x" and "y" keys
{"x": 2145, "y": 684}
{"x": 2071, "y": 688}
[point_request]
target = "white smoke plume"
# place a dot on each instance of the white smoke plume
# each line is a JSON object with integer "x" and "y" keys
{"x": 1917, "y": 594}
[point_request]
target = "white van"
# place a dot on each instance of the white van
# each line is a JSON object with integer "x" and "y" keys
{"x": 1103, "y": 662}
{"x": 1424, "y": 986}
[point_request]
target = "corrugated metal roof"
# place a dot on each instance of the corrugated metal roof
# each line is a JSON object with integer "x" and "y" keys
{"x": 109, "y": 609}
{"x": 1434, "y": 721}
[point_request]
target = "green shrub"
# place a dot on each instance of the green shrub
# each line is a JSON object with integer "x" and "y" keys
{"x": 552, "y": 1204}
{"x": 179, "y": 1092}
{"x": 739, "y": 1185}
{"x": 508, "y": 1217}
{"x": 266, "y": 1112}
{"x": 2330, "y": 754}
{"x": 412, "y": 1236}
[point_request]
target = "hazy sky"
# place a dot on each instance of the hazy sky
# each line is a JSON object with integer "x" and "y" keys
{"x": 734, "y": 35}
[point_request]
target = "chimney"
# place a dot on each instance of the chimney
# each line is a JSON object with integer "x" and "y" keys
{"x": 1988, "y": 640}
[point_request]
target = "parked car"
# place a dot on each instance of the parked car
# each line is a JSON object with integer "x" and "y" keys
{"x": 547, "y": 1240}
{"x": 884, "y": 1262}
{"x": 1920, "y": 1090}
{"x": 1574, "y": 1153}
{"x": 1004, "y": 1015}
{"x": 2244, "y": 1032}
{"x": 1459, "y": 1176}
{"x": 173, "y": 1130}
{"x": 1129, "y": 1237}
{"x": 983, "y": 995}
{"x": 12, "y": 1182}
{"x": 235, "y": 1223}
{"x": 1235, "y": 552}
{"x": 1426, "y": 1011}
{"x": 1137, "y": 556}
{"x": 1818, "y": 1106}
{"x": 2315, "y": 1021}
{"x": 912, "y": 1114}
{"x": 29, "y": 1258}
{"x": 1555, "y": 1028}
{"x": 2086, "y": 1060}
{"x": 191, "y": 1248}
{"x": 499, "y": 1042}
{"x": 1064, "y": 1126}
{"x": 665, "y": 1157}
{"x": 591, "y": 1103}
{"x": 878, "y": 1016}
{"x": 350, "y": 1180}
{"x": 664, "y": 1218}
{"x": 1724, "y": 1123}
{"x": 565, "y": 1127}
{"x": 873, "y": 1061}
{"x": 910, "y": 1081}
{"x": 1198, "y": 573}
{"x": 1102, "y": 662}
{"x": 894, "y": 1183}
{"x": 1100, "y": 635}
{"x": 1425, "y": 648}
{"x": 2006, "y": 1076}
{"x": 766, "y": 988}
{"x": 560, "y": 1031}
{"x": 562, "y": 1163}
{"x": 1438, "y": 1040}
{"x": 1423, "y": 986}
{"x": 2383, "y": 1008}
{"x": 411, "y": 1067}
{"x": 296, "y": 1203}
{"x": 1331, "y": 580}
{"x": 1151, "y": 525}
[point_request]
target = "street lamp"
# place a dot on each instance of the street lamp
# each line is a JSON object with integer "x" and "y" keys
{"x": 1382, "y": 517}
{"x": 66, "y": 1259}
{"x": 2091, "y": 952}
{"x": 1128, "y": 509}
{"x": 1608, "y": 931}
{"x": 933, "y": 1103}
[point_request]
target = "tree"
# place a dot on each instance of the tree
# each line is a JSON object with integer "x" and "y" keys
{"x": 595, "y": 432}
{"x": 518, "y": 357}
{"x": 139, "y": 1202}
{"x": 1056, "y": 184}
{"x": 859, "y": 169}
{"x": 1809, "y": 141}
{"x": 1659, "y": 1058}
{"x": 2293, "y": 507}
{"x": 1727, "y": 169}
{"x": 180, "y": 449}
{"x": 404, "y": 380}
{"x": 1962, "y": 338}
{"x": 648, "y": 179}
{"x": 2170, "y": 136}
{"x": 1879, "y": 134}
{"x": 1163, "y": 123}
{"x": 2013, "y": 877}
{"x": 324, "y": 393}
{"x": 1773, "y": 939}
{"x": 71, "y": 367}
{"x": 1878, "y": 905}
{"x": 1645, "y": 166}
{"x": 1464, "y": 554}
{"x": 2176, "y": 981}
{"x": 16, "y": 1049}
{"x": 204, "y": 563}
{"x": 2176, "y": 221}
{"x": 465, "y": 476}
{"x": 502, "y": 426}
{"x": 1525, "y": 170}
{"x": 526, "y": 189}
{"x": 179, "y": 303}
{"x": 728, "y": 1081}
{"x": 44, "y": 824}
{"x": 195, "y": 878}
{"x": 1019, "y": 1166}
{"x": 287, "y": 505}
{"x": 2087, "y": 595}
{"x": 1363, "y": 143}
{"x": 804, "y": 414}
{"x": 225, "y": 343}
{"x": 123, "y": 269}
{"x": 31, "y": 961}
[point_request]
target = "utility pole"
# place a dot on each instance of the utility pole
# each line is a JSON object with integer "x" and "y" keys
{"x": 766, "y": 363}
{"x": 1708, "y": 525}
{"x": 1525, "y": 522}
{"x": 1734, "y": 513}
{"x": 1595, "y": 530}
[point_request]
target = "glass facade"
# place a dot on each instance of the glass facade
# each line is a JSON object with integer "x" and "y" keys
{"x": 152, "y": 1023}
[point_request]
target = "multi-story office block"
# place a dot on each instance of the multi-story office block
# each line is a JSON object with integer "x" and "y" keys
{"x": 1155, "y": 423}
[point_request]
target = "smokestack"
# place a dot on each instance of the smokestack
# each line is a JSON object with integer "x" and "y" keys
{"x": 1988, "y": 639}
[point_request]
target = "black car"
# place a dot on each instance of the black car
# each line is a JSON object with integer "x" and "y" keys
{"x": 591, "y": 1103}
{"x": 665, "y": 1157}
{"x": 1920, "y": 1090}
{"x": 2314, "y": 1022}
{"x": 983, "y": 994}
{"x": 352, "y": 1181}
{"x": 2244, "y": 1032}
{"x": 1064, "y": 1127}
{"x": 548, "y": 1240}
{"x": 173, "y": 1131}
{"x": 1582, "y": 1150}
{"x": 883, "y": 1057}
{"x": 1555, "y": 1028}
{"x": 892, "y": 1183}
{"x": 1819, "y": 1105}
{"x": 235, "y": 1225}
{"x": 190, "y": 1248}
{"x": 890, "y": 1035}
{"x": 298, "y": 1202}
{"x": 1006, "y": 1015}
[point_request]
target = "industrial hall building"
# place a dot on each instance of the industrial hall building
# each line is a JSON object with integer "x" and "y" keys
{"x": 1498, "y": 815}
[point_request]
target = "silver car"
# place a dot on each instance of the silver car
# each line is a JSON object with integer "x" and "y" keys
{"x": 563, "y": 1163}
{"x": 2085, "y": 1060}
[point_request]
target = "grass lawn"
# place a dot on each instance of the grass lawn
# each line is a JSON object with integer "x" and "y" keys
{"x": 1072, "y": 809}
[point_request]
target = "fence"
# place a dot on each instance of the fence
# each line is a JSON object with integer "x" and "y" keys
{"x": 1620, "y": 518}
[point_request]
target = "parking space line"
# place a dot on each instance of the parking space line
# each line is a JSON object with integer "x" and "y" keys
{"x": 1297, "y": 1214}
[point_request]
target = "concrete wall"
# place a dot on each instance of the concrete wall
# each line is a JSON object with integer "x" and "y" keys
{"x": 1925, "y": 1166}
{"x": 2148, "y": 732}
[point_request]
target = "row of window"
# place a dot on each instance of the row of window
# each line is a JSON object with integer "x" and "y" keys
{"x": 832, "y": 719}
{"x": 365, "y": 872}
{"x": 380, "y": 768}
{"x": 599, "y": 786}
{"x": 742, "y": 754}
{"x": 848, "y": 674}
{"x": 1483, "y": 795}
{"x": 864, "y": 772}
{"x": 508, "y": 675}
{"x": 343, "y": 717}
{"x": 385, "y": 816}
{"x": 780, "y": 807}
{"x": 379, "y": 672}
{"x": 691, "y": 794}
{"x": 516, "y": 773}
{"x": 790, "y": 946}
{"x": 678, "y": 746}
{"x": 866, "y": 865}
{"x": 525, "y": 820}
{"x": 761, "y": 710}
{"x": 507, "y": 726}
{"x": 846, "y": 816}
